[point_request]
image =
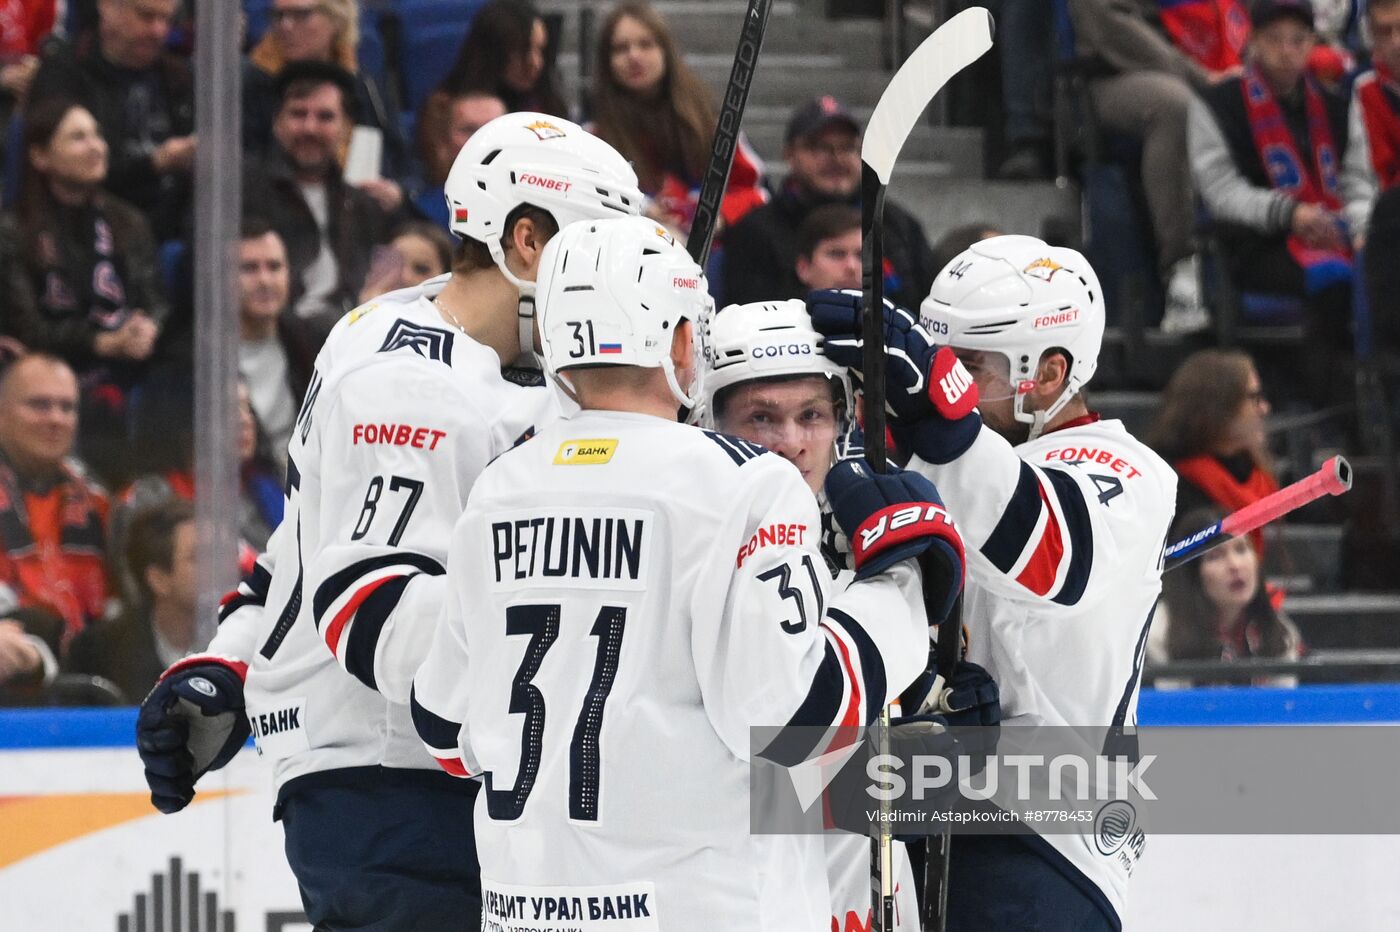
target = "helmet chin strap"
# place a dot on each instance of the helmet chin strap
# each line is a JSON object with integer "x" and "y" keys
{"x": 1038, "y": 419}
{"x": 526, "y": 308}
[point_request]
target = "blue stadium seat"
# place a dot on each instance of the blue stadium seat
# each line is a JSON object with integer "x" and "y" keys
{"x": 256, "y": 11}
{"x": 427, "y": 55}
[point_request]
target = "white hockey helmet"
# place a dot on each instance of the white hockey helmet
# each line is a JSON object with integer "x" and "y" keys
{"x": 544, "y": 161}
{"x": 1018, "y": 296}
{"x": 611, "y": 293}
{"x": 766, "y": 340}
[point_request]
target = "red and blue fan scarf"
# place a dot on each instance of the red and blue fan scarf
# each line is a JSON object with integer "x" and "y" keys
{"x": 1312, "y": 182}
{"x": 1379, "y": 94}
{"x": 1212, "y": 32}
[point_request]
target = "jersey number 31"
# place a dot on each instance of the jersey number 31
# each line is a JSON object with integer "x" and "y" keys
{"x": 541, "y": 623}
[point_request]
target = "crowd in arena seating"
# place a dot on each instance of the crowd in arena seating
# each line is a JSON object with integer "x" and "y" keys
{"x": 1267, "y": 128}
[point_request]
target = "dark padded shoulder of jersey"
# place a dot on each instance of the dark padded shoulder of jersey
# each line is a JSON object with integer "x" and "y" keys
{"x": 429, "y": 342}
{"x": 740, "y": 451}
{"x": 519, "y": 375}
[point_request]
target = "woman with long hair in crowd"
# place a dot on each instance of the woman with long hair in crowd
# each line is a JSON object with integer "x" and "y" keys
{"x": 315, "y": 30}
{"x": 1210, "y": 428}
{"x": 1217, "y": 607}
{"x": 83, "y": 281}
{"x": 653, "y": 109}
{"x": 506, "y": 53}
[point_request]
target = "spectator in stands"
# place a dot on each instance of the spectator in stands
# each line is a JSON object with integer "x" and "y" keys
{"x": 1376, "y": 95}
{"x": 960, "y": 239}
{"x": 445, "y": 123}
{"x": 506, "y": 53}
{"x": 1383, "y": 272}
{"x": 1142, "y": 88}
{"x": 324, "y": 31}
{"x": 134, "y": 649}
{"x": 823, "y": 155}
{"x": 654, "y": 110}
{"x": 84, "y": 285}
{"x": 330, "y": 228}
{"x": 1287, "y": 224}
{"x": 29, "y": 646}
{"x": 276, "y": 351}
{"x": 170, "y": 476}
{"x": 1218, "y": 608}
{"x": 828, "y": 248}
{"x": 24, "y": 24}
{"x": 143, "y": 98}
{"x": 425, "y": 252}
{"x": 1210, "y": 428}
{"x": 1025, "y": 33}
{"x": 52, "y": 519}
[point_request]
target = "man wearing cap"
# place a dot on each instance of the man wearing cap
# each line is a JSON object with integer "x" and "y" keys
{"x": 1288, "y": 195}
{"x": 822, "y": 149}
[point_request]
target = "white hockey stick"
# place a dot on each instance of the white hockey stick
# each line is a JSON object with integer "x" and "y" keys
{"x": 953, "y": 46}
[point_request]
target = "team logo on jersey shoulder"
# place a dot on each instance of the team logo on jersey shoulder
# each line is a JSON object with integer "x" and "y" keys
{"x": 1043, "y": 269}
{"x": 428, "y": 342}
{"x": 361, "y": 311}
{"x": 544, "y": 129}
{"x": 591, "y": 452}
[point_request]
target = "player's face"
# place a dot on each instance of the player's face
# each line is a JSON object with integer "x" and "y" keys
{"x": 1230, "y": 576}
{"x": 311, "y": 128}
{"x": 992, "y": 373}
{"x": 1385, "y": 35}
{"x": 835, "y": 263}
{"x": 1281, "y": 51}
{"x": 796, "y": 419}
{"x": 636, "y": 58}
{"x": 1247, "y": 430}
{"x": 827, "y": 162}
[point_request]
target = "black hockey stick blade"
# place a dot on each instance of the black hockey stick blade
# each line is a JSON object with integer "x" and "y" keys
{"x": 726, "y": 138}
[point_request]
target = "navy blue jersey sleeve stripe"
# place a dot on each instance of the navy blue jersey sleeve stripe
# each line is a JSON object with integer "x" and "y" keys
{"x": 871, "y": 666}
{"x": 1009, "y": 538}
{"x": 798, "y": 740}
{"x": 338, "y": 583}
{"x": 364, "y": 633}
{"x": 1081, "y": 536}
{"x": 435, "y": 731}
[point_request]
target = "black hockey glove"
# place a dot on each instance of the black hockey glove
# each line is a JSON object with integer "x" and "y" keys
{"x": 192, "y": 722}
{"x": 931, "y": 394}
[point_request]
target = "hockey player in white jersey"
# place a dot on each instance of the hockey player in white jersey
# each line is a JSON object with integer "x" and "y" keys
{"x": 1065, "y": 516}
{"x": 628, "y": 596}
{"x": 413, "y": 394}
{"x": 768, "y": 381}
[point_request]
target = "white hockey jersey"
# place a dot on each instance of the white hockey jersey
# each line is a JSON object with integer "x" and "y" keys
{"x": 402, "y": 414}
{"x": 628, "y": 596}
{"x": 1064, "y": 540}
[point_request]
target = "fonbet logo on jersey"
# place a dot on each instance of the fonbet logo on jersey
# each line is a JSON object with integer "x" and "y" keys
{"x": 592, "y": 452}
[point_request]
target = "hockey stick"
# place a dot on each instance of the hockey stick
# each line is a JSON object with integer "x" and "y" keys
{"x": 953, "y": 46}
{"x": 731, "y": 114}
{"x": 1333, "y": 478}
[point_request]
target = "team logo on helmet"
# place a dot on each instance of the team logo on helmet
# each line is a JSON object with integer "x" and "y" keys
{"x": 543, "y": 129}
{"x": 1043, "y": 269}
